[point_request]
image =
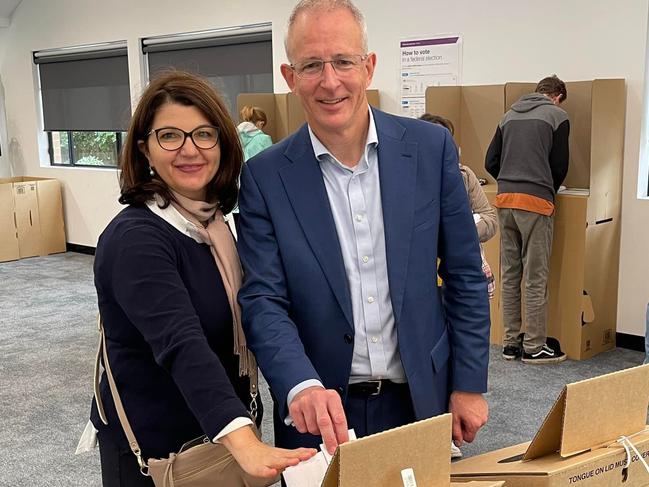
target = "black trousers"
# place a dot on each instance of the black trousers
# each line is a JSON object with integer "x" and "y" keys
{"x": 119, "y": 466}
{"x": 372, "y": 414}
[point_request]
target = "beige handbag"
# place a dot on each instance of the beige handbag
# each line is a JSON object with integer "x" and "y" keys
{"x": 199, "y": 463}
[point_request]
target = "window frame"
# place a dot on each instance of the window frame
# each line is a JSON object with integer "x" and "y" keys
{"x": 119, "y": 144}
{"x": 70, "y": 128}
{"x": 235, "y": 36}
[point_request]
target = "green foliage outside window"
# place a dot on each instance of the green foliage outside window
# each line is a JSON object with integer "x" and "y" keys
{"x": 95, "y": 148}
{"x": 88, "y": 148}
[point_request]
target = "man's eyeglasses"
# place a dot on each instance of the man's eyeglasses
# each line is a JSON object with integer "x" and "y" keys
{"x": 172, "y": 138}
{"x": 313, "y": 68}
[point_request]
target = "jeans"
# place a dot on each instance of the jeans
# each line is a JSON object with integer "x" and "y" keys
{"x": 525, "y": 245}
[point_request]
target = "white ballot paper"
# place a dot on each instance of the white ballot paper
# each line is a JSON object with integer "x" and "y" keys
{"x": 311, "y": 472}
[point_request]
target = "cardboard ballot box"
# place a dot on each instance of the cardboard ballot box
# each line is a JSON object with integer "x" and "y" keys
{"x": 31, "y": 218}
{"x": 377, "y": 460}
{"x": 577, "y": 443}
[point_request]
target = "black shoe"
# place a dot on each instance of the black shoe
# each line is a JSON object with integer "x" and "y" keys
{"x": 546, "y": 355}
{"x": 511, "y": 352}
{"x": 521, "y": 336}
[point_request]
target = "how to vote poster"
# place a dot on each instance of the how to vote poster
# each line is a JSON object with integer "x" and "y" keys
{"x": 433, "y": 61}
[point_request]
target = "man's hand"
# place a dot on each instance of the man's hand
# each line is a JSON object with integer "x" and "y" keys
{"x": 470, "y": 413}
{"x": 319, "y": 411}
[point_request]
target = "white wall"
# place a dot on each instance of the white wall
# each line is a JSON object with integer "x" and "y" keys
{"x": 505, "y": 40}
{"x": 4, "y": 33}
{"x": 4, "y": 140}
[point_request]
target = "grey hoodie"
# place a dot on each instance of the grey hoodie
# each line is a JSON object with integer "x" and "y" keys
{"x": 529, "y": 152}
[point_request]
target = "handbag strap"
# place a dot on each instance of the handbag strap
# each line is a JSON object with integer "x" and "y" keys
{"x": 121, "y": 414}
{"x": 97, "y": 373}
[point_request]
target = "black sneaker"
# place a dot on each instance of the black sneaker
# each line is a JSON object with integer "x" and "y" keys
{"x": 546, "y": 355}
{"x": 511, "y": 352}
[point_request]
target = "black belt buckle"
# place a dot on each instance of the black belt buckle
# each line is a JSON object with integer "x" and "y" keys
{"x": 378, "y": 384}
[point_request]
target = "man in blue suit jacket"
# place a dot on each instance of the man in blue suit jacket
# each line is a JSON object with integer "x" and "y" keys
{"x": 341, "y": 228}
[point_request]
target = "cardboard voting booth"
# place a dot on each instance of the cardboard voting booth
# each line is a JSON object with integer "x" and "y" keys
{"x": 31, "y": 218}
{"x": 378, "y": 460}
{"x": 285, "y": 114}
{"x": 594, "y": 435}
{"x": 475, "y": 112}
{"x": 584, "y": 266}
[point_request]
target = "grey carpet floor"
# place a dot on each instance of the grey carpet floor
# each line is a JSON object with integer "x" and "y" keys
{"x": 47, "y": 343}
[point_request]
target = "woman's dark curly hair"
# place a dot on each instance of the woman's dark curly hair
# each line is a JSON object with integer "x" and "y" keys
{"x": 136, "y": 183}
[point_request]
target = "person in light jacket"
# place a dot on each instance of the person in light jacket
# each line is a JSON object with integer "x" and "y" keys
{"x": 253, "y": 139}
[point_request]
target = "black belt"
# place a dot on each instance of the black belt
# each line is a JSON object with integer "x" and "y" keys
{"x": 373, "y": 387}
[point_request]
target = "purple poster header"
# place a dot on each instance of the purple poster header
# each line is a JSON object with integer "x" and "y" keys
{"x": 429, "y": 42}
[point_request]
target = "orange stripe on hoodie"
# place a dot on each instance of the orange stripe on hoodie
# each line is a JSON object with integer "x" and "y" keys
{"x": 526, "y": 202}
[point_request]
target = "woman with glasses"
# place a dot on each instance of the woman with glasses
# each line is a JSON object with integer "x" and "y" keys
{"x": 167, "y": 274}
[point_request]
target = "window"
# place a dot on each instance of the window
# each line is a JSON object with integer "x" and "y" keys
{"x": 236, "y": 60}
{"x": 85, "y": 148}
{"x": 86, "y": 103}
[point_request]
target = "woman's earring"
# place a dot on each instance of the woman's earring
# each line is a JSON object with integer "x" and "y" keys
{"x": 151, "y": 171}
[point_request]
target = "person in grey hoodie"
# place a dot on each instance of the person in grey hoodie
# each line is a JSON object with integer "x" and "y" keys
{"x": 529, "y": 156}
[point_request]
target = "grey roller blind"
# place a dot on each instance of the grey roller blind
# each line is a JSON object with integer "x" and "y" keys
{"x": 239, "y": 59}
{"x": 234, "y": 64}
{"x": 85, "y": 91}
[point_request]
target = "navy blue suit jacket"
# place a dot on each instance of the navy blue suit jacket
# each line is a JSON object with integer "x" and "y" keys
{"x": 295, "y": 296}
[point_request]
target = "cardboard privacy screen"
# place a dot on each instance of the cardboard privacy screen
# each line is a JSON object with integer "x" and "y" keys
{"x": 594, "y": 436}
{"x": 31, "y": 217}
{"x": 582, "y": 308}
{"x": 594, "y": 412}
{"x": 377, "y": 460}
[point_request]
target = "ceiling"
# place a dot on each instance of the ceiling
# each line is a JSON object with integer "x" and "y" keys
{"x": 7, "y": 8}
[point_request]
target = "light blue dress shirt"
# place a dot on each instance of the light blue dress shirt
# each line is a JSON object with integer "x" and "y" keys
{"x": 355, "y": 199}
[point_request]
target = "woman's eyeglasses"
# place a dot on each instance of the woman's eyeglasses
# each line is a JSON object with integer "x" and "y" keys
{"x": 172, "y": 138}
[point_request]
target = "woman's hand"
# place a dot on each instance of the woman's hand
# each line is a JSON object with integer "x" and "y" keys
{"x": 257, "y": 458}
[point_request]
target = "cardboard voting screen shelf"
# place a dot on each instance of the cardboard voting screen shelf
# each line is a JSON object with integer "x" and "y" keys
{"x": 31, "y": 215}
{"x": 479, "y": 483}
{"x": 377, "y": 460}
{"x": 619, "y": 399}
{"x": 577, "y": 440}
